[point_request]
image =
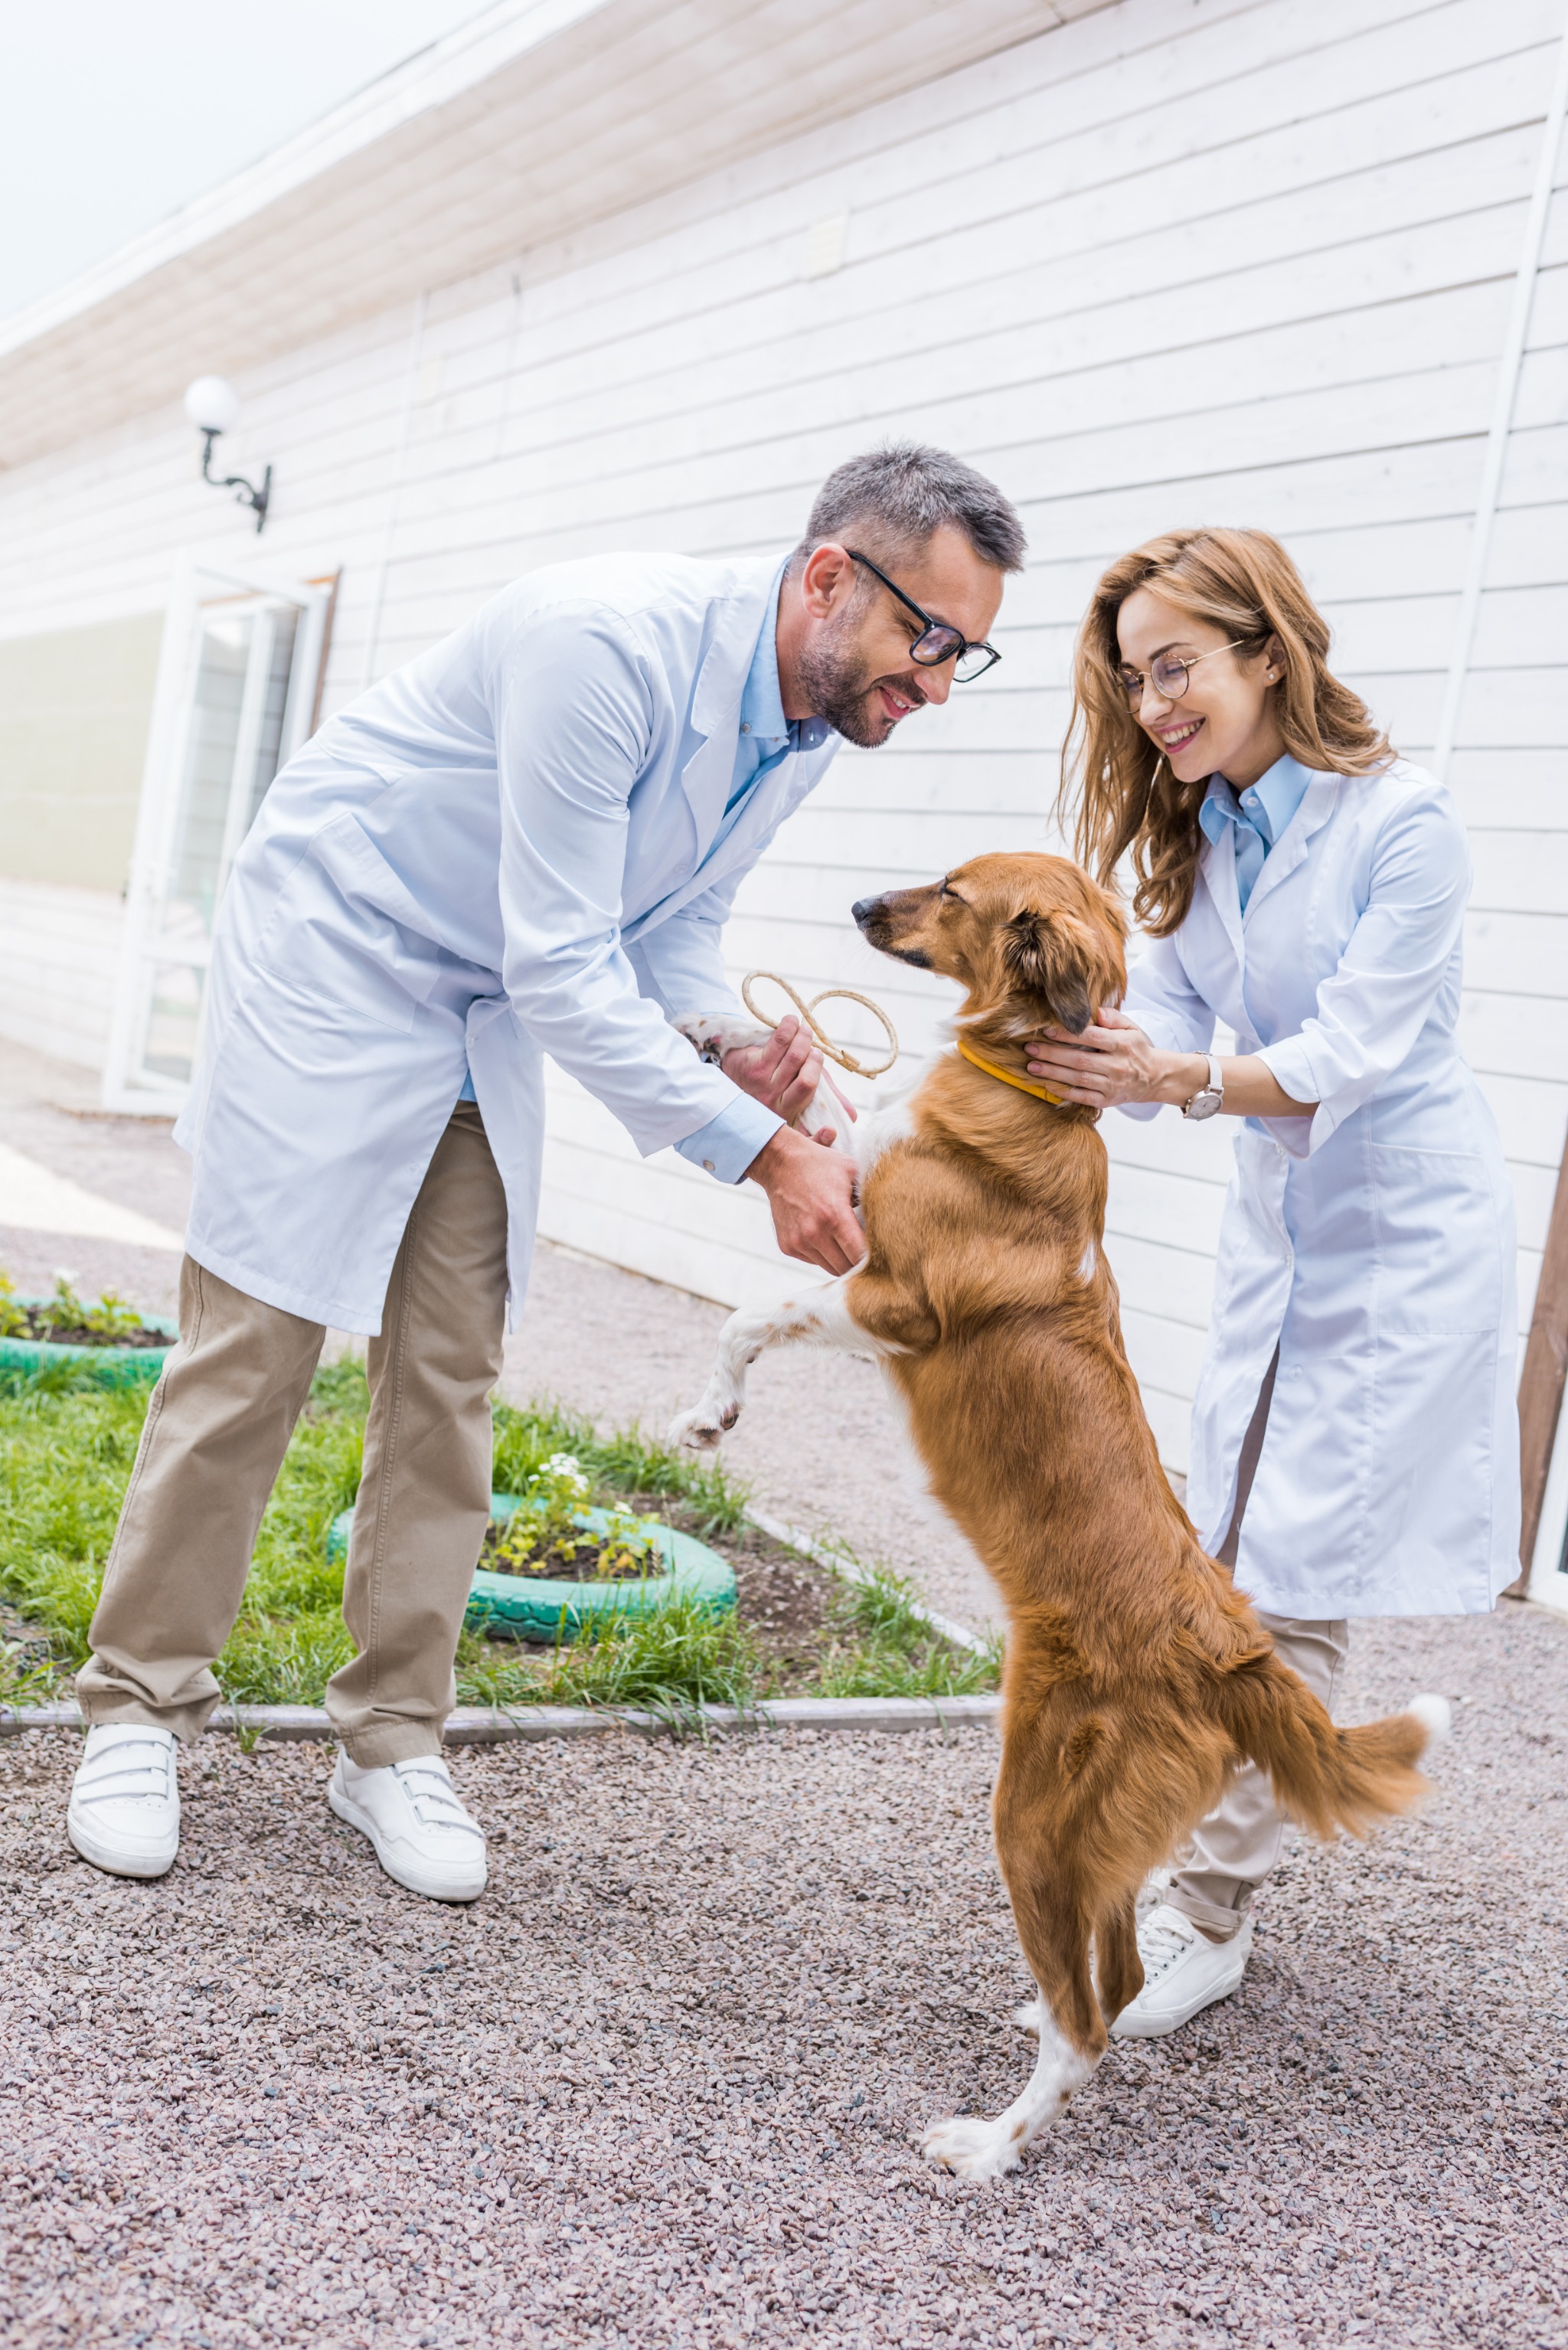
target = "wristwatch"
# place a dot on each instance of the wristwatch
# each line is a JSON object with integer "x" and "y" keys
{"x": 1207, "y": 1098}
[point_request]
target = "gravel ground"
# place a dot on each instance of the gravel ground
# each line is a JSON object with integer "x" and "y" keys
{"x": 662, "y": 2085}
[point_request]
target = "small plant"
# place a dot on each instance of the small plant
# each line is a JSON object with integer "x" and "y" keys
{"x": 29, "y": 1672}
{"x": 627, "y": 1461}
{"x": 67, "y": 1315}
{"x": 549, "y": 1533}
{"x": 13, "y": 1321}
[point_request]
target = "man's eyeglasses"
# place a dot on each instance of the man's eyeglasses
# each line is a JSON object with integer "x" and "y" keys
{"x": 1170, "y": 672}
{"x": 937, "y": 642}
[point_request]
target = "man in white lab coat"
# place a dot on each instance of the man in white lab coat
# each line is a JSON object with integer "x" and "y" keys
{"x": 525, "y": 842}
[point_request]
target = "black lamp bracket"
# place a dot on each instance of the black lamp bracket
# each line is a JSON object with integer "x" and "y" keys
{"x": 245, "y": 492}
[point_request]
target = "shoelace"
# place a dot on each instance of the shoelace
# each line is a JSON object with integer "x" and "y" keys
{"x": 433, "y": 1798}
{"x": 111, "y": 1776}
{"x": 1160, "y": 1947}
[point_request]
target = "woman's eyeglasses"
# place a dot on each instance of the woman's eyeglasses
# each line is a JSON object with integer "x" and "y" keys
{"x": 1170, "y": 672}
{"x": 937, "y": 642}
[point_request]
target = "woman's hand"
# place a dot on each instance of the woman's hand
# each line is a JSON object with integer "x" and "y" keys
{"x": 1112, "y": 1062}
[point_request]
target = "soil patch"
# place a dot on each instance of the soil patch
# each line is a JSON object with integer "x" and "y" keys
{"x": 39, "y": 1326}
{"x": 783, "y": 1600}
{"x": 28, "y": 1644}
{"x": 584, "y": 1563}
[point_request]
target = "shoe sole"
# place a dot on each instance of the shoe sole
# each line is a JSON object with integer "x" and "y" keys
{"x": 1122, "y": 2029}
{"x": 411, "y": 1880}
{"x": 113, "y": 1860}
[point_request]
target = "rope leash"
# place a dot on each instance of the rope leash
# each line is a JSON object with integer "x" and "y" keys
{"x": 845, "y": 1059}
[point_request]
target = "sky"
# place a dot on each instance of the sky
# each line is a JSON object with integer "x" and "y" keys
{"x": 113, "y": 113}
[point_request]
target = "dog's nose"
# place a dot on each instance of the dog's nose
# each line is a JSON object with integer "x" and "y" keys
{"x": 862, "y": 908}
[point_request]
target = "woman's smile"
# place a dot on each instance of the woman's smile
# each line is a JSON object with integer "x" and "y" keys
{"x": 1176, "y": 732}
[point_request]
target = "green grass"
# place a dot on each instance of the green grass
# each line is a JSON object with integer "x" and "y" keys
{"x": 66, "y": 1449}
{"x": 879, "y": 1646}
{"x": 669, "y": 1664}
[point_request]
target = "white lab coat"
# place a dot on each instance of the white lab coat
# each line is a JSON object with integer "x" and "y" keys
{"x": 506, "y": 848}
{"x": 1374, "y": 1242}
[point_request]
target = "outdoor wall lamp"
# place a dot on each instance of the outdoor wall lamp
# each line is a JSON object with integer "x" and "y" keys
{"x": 213, "y": 406}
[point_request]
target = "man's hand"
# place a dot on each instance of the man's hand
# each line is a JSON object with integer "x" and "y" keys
{"x": 785, "y": 1073}
{"x": 812, "y": 1196}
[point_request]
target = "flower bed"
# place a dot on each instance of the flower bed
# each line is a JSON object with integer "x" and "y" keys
{"x": 111, "y": 1341}
{"x": 794, "y": 1628}
{"x": 552, "y": 1565}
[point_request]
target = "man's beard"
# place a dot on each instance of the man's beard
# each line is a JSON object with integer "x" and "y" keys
{"x": 832, "y": 673}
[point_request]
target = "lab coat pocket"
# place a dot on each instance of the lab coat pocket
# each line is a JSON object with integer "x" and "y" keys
{"x": 1435, "y": 1241}
{"x": 343, "y": 934}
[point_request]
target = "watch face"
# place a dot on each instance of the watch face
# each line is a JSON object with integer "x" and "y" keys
{"x": 1205, "y": 1104}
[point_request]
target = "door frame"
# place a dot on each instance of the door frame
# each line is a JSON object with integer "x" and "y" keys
{"x": 124, "y": 1089}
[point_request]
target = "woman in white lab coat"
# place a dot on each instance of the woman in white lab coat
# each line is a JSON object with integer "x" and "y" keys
{"x": 1355, "y": 1439}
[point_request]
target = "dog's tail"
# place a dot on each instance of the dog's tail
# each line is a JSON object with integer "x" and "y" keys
{"x": 1323, "y": 1777}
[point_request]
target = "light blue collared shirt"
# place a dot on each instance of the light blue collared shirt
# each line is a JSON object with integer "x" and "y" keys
{"x": 727, "y": 1145}
{"x": 1259, "y": 815}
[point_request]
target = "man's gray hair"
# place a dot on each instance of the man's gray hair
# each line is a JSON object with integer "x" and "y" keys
{"x": 897, "y": 496}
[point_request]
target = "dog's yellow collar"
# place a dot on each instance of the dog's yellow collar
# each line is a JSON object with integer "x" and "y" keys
{"x": 1007, "y": 1078}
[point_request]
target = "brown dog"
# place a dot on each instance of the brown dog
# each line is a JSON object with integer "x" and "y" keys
{"x": 1136, "y": 1677}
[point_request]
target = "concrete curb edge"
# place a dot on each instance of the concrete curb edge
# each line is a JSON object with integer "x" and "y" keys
{"x": 479, "y": 1726}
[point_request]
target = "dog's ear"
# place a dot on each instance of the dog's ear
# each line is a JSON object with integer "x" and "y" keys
{"x": 1050, "y": 956}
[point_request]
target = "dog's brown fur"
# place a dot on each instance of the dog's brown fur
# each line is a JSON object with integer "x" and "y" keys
{"x": 1136, "y": 1677}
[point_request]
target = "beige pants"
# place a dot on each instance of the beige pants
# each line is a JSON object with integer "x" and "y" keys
{"x": 219, "y": 1423}
{"x": 1236, "y": 1847}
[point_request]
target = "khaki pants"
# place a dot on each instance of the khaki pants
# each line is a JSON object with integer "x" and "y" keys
{"x": 1237, "y": 1846}
{"x": 219, "y": 1423}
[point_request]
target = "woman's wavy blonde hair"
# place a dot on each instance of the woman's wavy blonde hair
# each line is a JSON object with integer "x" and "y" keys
{"x": 1117, "y": 788}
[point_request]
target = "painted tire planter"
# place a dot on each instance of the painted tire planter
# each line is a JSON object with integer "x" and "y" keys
{"x": 112, "y": 1367}
{"x": 545, "y": 1608}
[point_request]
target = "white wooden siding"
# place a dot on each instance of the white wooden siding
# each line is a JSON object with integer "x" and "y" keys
{"x": 59, "y": 959}
{"x": 1249, "y": 261}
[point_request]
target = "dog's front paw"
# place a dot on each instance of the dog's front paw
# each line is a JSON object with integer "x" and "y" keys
{"x": 713, "y": 1035}
{"x": 973, "y": 2149}
{"x": 700, "y": 1430}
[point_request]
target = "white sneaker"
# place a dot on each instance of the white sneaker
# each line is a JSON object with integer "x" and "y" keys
{"x": 124, "y": 1812}
{"x": 1183, "y": 1973}
{"x": 421, "y": 1833}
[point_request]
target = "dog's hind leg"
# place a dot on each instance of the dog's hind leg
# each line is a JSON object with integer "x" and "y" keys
{"x": 1072, "y": 2033}
{"x": 818, "y": 1317}
{"x": 1118, "y": 1970}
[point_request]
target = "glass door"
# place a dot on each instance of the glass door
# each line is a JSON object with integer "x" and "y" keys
{"x": 235, "y": 697}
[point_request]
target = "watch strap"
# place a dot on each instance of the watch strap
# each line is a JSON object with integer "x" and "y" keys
{"x": 1211, "y": 1096}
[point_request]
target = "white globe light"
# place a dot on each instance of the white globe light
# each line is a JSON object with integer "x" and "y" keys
{"x": 212, "y": 404}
